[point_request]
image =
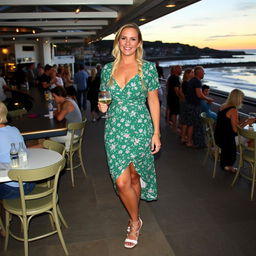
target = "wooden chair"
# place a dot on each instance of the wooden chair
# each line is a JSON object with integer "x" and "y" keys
{"x": 246, "y": 154}
{"x": 43, "y": 200}
{"x": 77, "y": 132}
{"x": 55, "y": 146}
{"x": 212, "y": 148}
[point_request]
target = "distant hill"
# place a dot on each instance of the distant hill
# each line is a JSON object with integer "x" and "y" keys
{"x": 158, "y": 50}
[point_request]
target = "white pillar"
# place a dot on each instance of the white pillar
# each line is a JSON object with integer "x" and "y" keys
{"x": 45, "y": 50}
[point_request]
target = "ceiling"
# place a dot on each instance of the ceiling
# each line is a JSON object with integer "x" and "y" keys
{"x": 57, "y": 20}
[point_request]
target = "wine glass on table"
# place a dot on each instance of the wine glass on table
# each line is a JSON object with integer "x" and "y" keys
{"x": 105, "y": 97}
{"x": 252, "y": 116}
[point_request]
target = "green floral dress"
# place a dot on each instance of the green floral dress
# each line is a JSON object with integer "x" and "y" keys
{"x": 128, "y": 132}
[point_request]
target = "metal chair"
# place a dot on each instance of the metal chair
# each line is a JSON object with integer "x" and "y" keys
{"x": 55, "y": 146}
{"x": 43, "y": 200}
{"x": 212, "y": 148}
{"x": 246, "y": 154}
{"x": 77, "y": 132}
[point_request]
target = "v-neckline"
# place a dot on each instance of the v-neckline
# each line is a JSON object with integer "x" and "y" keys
{"x": 122, "y": 88}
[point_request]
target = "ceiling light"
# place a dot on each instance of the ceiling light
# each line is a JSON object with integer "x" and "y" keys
{"x": 78, "y": 10}
{"x": 37, "y": 39}
{"x": 13, "y": 38}
{"x": 5, "y": 51}
{"x": 17, "y": 30}
{"x": 142, "y": 19}
{"x": 33, "y": 31}
{"x": 170, "y": 5}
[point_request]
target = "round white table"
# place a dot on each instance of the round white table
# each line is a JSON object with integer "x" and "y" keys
{"x": 37, "y": 158}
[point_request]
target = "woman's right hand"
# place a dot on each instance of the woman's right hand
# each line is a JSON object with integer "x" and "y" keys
{"x": 102, "y": 107}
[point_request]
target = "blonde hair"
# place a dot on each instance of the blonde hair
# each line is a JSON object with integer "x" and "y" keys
{"x": 93, "y": 73}
{"x": 186, "y": 74}
{"x": 117, "y": 53}
{"x": 235, "y": 98}
{"x": 3, "y": 113}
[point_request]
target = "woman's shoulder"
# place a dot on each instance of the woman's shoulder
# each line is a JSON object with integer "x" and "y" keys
{"x": 107, "y": 67}
{"x": 148, "y": 64}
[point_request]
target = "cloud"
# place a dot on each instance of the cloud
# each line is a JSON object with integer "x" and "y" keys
{"x": 228, "y": 36}
{"x": 249, "y": 5}
{"x": 187, "y": 25}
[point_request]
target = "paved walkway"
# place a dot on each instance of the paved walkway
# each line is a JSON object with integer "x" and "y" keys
{"x": 195, "y": 215}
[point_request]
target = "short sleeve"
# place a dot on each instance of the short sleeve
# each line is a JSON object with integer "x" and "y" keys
{"x": 150, "y": 76}
{"x": 105, "y": 75}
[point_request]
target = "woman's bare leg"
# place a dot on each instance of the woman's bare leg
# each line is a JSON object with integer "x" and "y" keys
{"x": 128, "y": 185}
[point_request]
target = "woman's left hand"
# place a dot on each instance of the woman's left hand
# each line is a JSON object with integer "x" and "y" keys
{"x": 155, "y": 143}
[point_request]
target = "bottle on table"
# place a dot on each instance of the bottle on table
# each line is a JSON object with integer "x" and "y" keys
{"x": 23, "y": 156}
{"x": 50, "y": 109}
{"x": 14, "y": 156}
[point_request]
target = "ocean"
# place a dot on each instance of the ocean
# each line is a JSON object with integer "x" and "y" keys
{"x": 226, "y": 78}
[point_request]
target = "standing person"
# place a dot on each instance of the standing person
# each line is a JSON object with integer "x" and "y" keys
{"x": 45, "y": 78}
{"x": 31, "y": 76}
{"x": 193, "y": 109}
{"x": 188, "y": 74}
{"x": 93, "y": 91}
{"x": 81, "y": 79}
{"x": 132, "y": 135}
{"x": 3, "y": 87}
{"x": 173, "y": 94}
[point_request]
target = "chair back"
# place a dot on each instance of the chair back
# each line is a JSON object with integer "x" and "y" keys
{"x": 55, "y": 146}
{"x": 208, "y": 123}
{"x": 77, "y": 132}
{"x": 248, "y": 135}
{"x": 38, "y": 174}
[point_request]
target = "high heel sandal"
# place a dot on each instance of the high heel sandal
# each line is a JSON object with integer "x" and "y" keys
{"x": 131, "y": 228}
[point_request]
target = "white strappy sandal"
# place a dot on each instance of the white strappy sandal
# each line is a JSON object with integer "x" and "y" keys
{"x": 131, "y": 228}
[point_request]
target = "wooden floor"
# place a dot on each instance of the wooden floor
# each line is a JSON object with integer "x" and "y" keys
{"x": 194, "y": 215}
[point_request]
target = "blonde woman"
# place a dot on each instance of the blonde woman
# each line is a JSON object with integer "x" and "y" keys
{"x": 226, "y": 129}
{"x": 132, "y": 134}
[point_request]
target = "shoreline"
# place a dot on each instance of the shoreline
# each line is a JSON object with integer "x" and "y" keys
{"x": 212, "y": 65}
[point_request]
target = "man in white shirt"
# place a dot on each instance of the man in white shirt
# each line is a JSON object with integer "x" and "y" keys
{"x": 2, "y": 85}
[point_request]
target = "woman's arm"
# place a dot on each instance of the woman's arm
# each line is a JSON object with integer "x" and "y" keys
{"x": 233, "y": 115}
{"x": 154, "y": 107}
{"x": 65, "y": 108}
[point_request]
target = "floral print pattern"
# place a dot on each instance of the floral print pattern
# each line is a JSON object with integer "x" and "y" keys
{"x": 129, "y": 130}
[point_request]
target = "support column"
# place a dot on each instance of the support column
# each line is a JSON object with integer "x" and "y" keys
{"x": 45, "y": 51}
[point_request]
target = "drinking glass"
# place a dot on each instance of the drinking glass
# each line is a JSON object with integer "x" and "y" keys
{"x": 252, "y": 115}
{"x": 105, "y": 97}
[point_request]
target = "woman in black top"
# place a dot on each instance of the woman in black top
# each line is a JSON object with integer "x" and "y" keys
{"x": 226, "y": 129}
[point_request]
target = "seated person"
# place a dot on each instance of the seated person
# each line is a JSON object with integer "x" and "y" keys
{"x": 205, "y": 106}
{"x": 226, "y": 129}
{"x": 8, "y": 135}
{"x": 66, "y": 108}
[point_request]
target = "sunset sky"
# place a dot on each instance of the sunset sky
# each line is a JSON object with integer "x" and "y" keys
{"x": 218, "y": 24}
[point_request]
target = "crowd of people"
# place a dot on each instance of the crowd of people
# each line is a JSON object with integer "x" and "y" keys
{"x": 186, "y": 99}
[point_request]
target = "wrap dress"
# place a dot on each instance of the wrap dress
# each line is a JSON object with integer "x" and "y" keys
{"x": 129, "y": 129}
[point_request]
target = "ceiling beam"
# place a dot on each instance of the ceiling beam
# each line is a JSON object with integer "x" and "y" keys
{"x": 56, "y": 15}
{"x": 65, "y": 2}
{"x": 49, "y": 34}
{"x": 72, "y": 28}
{"x": 55, "y": 23}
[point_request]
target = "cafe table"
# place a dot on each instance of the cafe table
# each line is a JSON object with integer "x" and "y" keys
{"x": 37, "y": 158}
{"x": 36, "y": 124}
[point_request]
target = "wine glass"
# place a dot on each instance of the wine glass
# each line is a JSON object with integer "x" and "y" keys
{"x": 105, "y": 97}
{"x": 252, "y": 115}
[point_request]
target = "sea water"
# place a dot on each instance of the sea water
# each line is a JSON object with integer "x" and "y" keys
{"x": 226, "y": 78}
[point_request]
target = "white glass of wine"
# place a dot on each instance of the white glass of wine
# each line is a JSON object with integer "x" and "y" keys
{"x": 105, "y": 97}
